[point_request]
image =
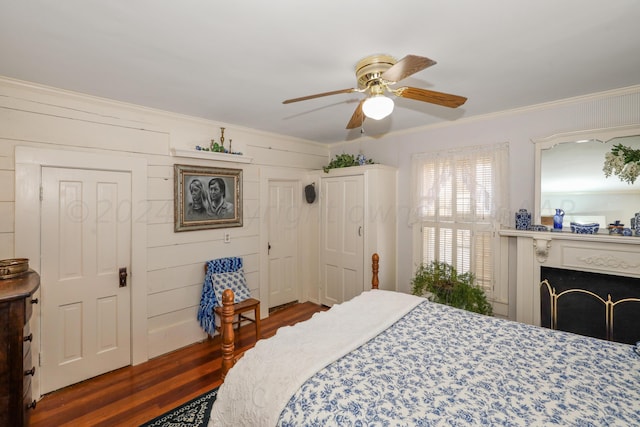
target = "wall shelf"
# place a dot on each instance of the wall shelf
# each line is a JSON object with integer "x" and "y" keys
{"x": 222, "y": 157}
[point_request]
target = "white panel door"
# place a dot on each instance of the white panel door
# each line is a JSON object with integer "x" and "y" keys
{"x": 86, "y": 239}
{"x": 284, "y": 214}
{"x": 342, "y": 228}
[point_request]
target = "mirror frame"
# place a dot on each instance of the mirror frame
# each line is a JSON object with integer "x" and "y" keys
{"x": 604, "y": 135}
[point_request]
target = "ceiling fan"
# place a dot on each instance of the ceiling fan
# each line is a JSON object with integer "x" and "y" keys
{"x": 375, "y": 75}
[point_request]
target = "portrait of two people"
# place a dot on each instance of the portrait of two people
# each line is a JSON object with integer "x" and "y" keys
{"x": 210, "y": 198}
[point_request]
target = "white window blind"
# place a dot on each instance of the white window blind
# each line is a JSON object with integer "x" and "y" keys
{"x": 459, "y": 200}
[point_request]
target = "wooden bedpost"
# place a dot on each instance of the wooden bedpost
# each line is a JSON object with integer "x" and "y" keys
{"x": 375, "y": 259}
{"x": 226, "y": 332}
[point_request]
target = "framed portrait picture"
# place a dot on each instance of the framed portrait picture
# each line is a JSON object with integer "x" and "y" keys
{"x": 207, "y": 197}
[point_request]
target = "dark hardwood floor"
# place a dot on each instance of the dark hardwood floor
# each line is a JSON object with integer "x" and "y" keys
{"x": 133, "y": 395}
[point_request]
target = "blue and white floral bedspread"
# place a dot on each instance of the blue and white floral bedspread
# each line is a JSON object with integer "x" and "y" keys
{"x": 443, "y": 366}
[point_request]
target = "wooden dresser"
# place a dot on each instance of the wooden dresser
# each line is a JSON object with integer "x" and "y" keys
{"x": 16, "y": 366}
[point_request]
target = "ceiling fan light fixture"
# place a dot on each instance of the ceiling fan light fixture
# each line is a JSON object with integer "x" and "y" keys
{"x": 377, "y": 107}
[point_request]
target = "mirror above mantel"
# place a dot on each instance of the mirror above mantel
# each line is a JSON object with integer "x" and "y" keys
{"x": 569, "y": 176}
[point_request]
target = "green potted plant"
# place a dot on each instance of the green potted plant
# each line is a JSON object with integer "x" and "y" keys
{"x": 440, "y": 282}
{"x": 347, "y": 160}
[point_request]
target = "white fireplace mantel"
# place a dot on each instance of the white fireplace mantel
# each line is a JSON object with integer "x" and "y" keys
{"x": 597, "y": 253}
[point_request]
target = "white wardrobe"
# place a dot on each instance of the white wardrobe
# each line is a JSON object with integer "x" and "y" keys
{"x": 358, "y": 218}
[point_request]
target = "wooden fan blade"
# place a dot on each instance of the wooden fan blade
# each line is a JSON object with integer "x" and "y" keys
{"x": 408, "y": 65}
{"x": 431, "y": 96}
{"x": 319, "y": 95}
{"x": 357, "y": 118}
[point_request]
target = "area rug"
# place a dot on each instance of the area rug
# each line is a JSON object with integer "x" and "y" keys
{"x": 194, "y": 413}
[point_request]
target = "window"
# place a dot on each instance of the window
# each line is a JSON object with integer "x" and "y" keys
{"x": 459, "y": 200}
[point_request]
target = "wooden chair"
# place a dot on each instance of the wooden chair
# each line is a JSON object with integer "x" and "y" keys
{"x": 239, "y": 309}
{"x": 229, "y": 356}
{"x": 245, "y": 306}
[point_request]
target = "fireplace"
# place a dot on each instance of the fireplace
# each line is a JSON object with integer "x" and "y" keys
{"x": 598, "y": 305}
{"x": 615, "y": 256}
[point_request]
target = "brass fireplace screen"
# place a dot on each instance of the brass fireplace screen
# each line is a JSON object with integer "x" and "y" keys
{"x": 578, "y": 302}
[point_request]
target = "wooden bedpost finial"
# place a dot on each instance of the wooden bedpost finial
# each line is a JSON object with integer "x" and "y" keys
{"x": 226, "y": 331}
{"x": 375, "y": 259}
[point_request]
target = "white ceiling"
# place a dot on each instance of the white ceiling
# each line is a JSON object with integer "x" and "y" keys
{"x": 236, "y": 61}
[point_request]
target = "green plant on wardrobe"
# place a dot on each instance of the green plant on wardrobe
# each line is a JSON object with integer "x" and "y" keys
{"x": 440, "y": 282}
{"x": 346, "y": 160}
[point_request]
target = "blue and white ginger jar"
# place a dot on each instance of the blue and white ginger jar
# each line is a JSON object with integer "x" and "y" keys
{"x": 523, "y": 220}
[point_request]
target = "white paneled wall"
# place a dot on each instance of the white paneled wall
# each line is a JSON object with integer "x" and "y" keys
{"x": 175, "y": 261}
{"x": 47, "y": 118}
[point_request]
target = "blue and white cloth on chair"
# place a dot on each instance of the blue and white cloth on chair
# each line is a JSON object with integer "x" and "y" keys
{"x": 222, "y": 273}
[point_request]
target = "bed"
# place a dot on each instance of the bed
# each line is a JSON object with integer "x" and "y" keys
{"x": 388, "y": 358}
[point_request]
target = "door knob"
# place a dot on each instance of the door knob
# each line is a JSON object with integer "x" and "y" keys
{"x": 122, "y": 274}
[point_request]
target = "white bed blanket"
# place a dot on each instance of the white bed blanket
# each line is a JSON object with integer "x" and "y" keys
{"x": 245, "y": 399}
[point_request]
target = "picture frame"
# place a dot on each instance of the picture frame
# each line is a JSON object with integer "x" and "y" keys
{"x": 206, "y": 197}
